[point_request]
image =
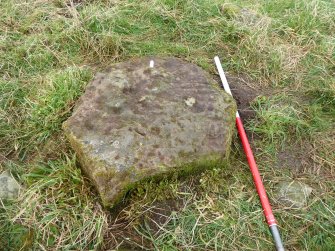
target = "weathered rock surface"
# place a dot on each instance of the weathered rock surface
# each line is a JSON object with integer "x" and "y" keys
{"x": 9, "y": 187}
{"x": 293, "y": 194}
{"x": 135, "y": 122}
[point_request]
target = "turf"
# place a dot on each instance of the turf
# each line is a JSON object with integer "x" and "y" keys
{"x": 49, "y": 51}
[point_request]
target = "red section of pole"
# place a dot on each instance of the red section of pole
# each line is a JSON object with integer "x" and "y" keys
{"x": 270, "y": 219}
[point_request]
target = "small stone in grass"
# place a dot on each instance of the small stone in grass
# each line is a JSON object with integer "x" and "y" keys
{"x": 293, "y": 194}
{"x": 9, "y": 187}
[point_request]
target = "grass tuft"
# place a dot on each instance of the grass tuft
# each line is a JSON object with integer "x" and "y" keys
{"x": 57, "y": 210}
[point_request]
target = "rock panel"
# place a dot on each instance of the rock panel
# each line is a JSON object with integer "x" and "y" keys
{"x": 136, "y": 122}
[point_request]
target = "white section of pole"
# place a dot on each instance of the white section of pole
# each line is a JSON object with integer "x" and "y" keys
{"x": 222, "y": 75}
{"x": 223, "y": 79}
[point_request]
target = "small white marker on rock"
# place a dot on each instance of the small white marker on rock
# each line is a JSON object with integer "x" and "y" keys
{"x": 190, "y": 101}
{"x": 152, "y": 63}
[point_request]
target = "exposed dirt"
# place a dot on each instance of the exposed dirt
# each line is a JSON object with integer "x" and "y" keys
{"x": 305, "y": 157}
{"x": 244, "y": 94}
{"x": 123, "y": 236}
{"x": 295, "y": 157}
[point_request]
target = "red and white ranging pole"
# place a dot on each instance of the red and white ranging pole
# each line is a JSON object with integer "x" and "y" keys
{"x": 270, "y": 219}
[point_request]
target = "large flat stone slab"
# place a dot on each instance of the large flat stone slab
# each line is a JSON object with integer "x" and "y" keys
{"x": 135, "y": 122}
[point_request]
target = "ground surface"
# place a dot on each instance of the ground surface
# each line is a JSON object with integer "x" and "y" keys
{"x": 283, "y": 50}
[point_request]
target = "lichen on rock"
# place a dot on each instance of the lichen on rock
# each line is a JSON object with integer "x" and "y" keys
{"x": 135, "y": 122}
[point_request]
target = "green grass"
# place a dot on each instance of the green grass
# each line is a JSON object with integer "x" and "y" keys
{"x": 57, "y": 210}
{"x": 49, "y": 51}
